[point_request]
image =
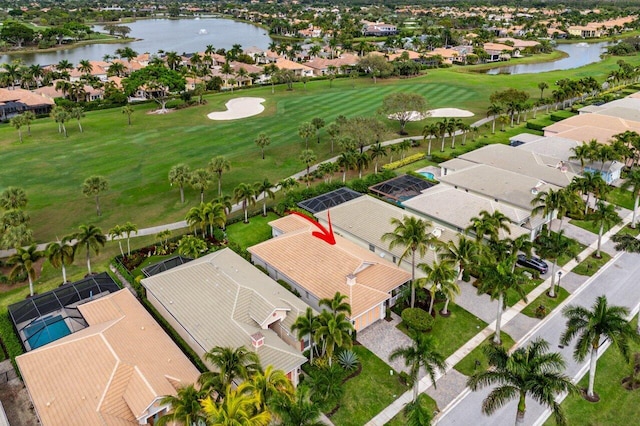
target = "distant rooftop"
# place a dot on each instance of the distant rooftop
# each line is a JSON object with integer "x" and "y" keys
{"x": 401, "y": 188}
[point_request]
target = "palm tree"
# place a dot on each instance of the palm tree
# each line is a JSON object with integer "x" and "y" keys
{"x": 191, "y": 246}
{"x": 489, "y": 224}
{"x": 318, "y": 123}
{"x": 442, "y": 276}
{"x": 287, "y": 184}
{"x": 633, "y": 182}
{"x": 94, "y": 186}
{"x": 13, "y": 198}
{"x": 528, "y": 371}
{"x": 128, "y": 111}
{"x": 581, "y": 153}
{"x": 18, "y": 122}
{"x": 411, "y": 233}
{"x": 239, "y": 407}
{"x": 362, "y": 162}
{"x": 129, "y": 228}
{"x": 593, "y": 328}
{"x": 542, "y": 86}
{"x": 262, "y": 141}
{"x": 180, "y": 175}
{"x": 296, "y": 410}
{"x": 494, "y": 112}
{"x": 417, "y": 413}
{"x": 200, "y": 180}
{"x": 375, "y": 152}
{"x": 215, "y": 215}
{"x": 196, "y": 217}
{"x": 23, "y": 261}
{"x": 497, "y": 279}
{"x": 245, "y": 194}
{"x": 590, "y": 182}
{"x": 266, "y": 385}
{"x": 333, "y": 332}
{"x": 265, "y": 188}
{"x": 219, "y": 165}
{"x": 337, "y": 304}
{"x": 308, "y": 157}
{"x": 346, "y": 161}
{"x": 431, "y": 132}
{"x": 422, "y": 353}
{"x": 231, "y": 364}
{"x": 305, "y": 131}
{"x": 77, "y": 113}
{"x": 563, "y": 201}
{"x": 185, "y": 407}
{"x": 60, "y": 116}
{"x": 604, "y": 215}
{"x": 306, "y": 325}
{"x": 61, "y": 254}
{"x": 463, "y": 254}
{"x": 116, "y": 233}
{"x": 551, "y": 247}
{"x": 92, "y": 238}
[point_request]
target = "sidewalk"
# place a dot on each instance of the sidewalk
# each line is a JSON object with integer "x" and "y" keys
{"x": 440, "y": 394}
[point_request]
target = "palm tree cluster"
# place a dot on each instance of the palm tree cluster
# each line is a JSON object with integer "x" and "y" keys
{"x": 240, "y": 392}
{"x": 443, "y": 128}
{"x": 14, "y": 222}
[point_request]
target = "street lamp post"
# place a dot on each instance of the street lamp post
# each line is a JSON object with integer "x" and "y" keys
{"x": 558, "y": 284}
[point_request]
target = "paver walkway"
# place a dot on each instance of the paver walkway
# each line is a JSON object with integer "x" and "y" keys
{"x": 382, "y": 338}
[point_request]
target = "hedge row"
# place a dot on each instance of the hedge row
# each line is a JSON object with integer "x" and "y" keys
{"x": 407, "y": 160}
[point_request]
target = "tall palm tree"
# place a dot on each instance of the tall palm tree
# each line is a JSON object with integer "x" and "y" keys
{"x": 116, "y": 233}
{"x": 551, "y": 247}
{"x": 200, "y": 180}
{"x": 563, "y": 202}
{"x": 431, "y": 132}
{"x": 442, "y": 276}
{"x": 464, "y": 253}
{"x": 528, "y": 371}
{"x": 411, "y": 233}
{"x": 296, "y": 410}
{"x": 13, "y": 198}
{"x": 421, "y": 353}
{"x": 333, "y": 332}
{"x": 238, "y": 408}
{"x": 196, "y": 216}
{"x": 489, "y": 225}
{"x": 306, "y": 130}
{"x": 262, "y": 141}
{"x": 494, "y": 112}
{"x": 587, "y": 184}
{"x": 497, "y": 279}
{"x": 581, "y": 153}
{"x": 337, "y": 304}
{"x": 91, "y": 238}
{"x": 594, "y": 327}
{"x": 215, "y": 215}
{"x": 60, "y": 254}
{"x": 185, "y": 407}
{"x": 180, "y": 175}
{"x": 219, "y": 165}
{"x": 93, "y": 186}
{"x": 265, "y": 188}
{"x": 231, "y": 364}
{"x": 346, "y": 161}
{"x": 266, "y": 385}
{"x": 376, "y": 152}
{"x": 246, "y": 195}
{"x": 306, "y": 325}
{"x": 23, "y": 261}
{"x": 128, "y": 229}
{"x": 633, "y": 182}
{"x": 362, "y": 162}
{"x": 308, "y": 157}
{"x": 542, "y": 86}
{"x": 604, "y": 215}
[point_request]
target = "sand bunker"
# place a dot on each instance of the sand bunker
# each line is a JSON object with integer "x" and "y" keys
{"x": 239, "y": 108}
{"x": 440, "y": 112}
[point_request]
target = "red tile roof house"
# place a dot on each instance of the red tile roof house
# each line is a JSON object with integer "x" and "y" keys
{"x": 317, "y": 269}
{"x": 15, "y": 101}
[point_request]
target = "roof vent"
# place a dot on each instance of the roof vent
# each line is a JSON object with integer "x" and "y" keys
{"x": 436, "y": 232}
{"x": 534, "y": 190}
{"x": 351, "y": 279}
{"x": 257, "y": 340}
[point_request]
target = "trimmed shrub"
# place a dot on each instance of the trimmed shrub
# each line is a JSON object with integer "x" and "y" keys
{"x": 407, "y": 160}
{"x": 536, "y": 125}
{"x": 417, "y": 319}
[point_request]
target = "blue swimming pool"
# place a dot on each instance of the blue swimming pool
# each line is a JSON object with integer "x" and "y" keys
{"x": 46, "y": 330}
{"x": 428, "y": 175}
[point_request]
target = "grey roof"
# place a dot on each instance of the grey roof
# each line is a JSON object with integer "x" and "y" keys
{"x": 221, "y": 300}
{"x": 329, "y": 199}
{"x": 525, "y": 137}
{"x": 456, "y": 207}
{"x": 456, "y": 164}
{"x": 528, "y": 163}
{"x": 165, "y": 265}
{"x": 500, "y": 185}
{"x": 625, "y": 108}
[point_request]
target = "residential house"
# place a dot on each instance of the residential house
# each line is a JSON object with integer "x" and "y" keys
{"x": 114, "y": 372}
{"x": 317, "y": 269}
{"x": 16, "y": 101}
{"x": 378, "y": 29}
{"x": 341, "y": 64}
{"x": 300, "y": 70}
{"x": 222, "y": 300}
{"x": 585, "y": 127}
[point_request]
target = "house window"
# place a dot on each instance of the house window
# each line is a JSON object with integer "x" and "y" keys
{"x": 394, "y": 259}
{"x": 372, "y": 248}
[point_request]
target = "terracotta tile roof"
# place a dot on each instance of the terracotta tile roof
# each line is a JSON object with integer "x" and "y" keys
{"x": 322, "y": 269}
{"x": 24, "y": 96}
{"x": 108, "y": 373}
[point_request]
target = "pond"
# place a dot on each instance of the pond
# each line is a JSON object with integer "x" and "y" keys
{"x": 181, "y": 35}
{"x": 580, "y": 54}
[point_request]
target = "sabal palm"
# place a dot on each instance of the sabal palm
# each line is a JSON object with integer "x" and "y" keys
{"x": 411, "y": 233}
{"x": 497, "y": 280}
{"x": 200, "y": 180}
{"x": 23, "y": 261}
{"x": 185, "y": 408}
{"x": 180, "y": 175}
{"x": 306, "y": 325}
{"x": 633, "y": 182}
{"x": 91, "y": 238}
{"x": 604, "y": 215}
{"x": 13, "y": 198}
{"x": 296, "y": 410}
{"x": 337, "y": 303}
{"x": 246, "y": 195}
{"x": 376, "y": 152}
{"x": 431, "y": 132}
{"x": 593, "y": 328}
{"x": 60, "y": 254}
{"x": 238, "y": 408}
{"x": 128, "y": 229}
{"x": 266, "y": 189}
{"x": 94, "y": 186}
{"x": 116, "y": 233}
{"x": 528, "y": 371}
{"x": 307, "y": 157}
{"x": 218, "y": 165}
{"x": 333, "y": 332}
{"x": 231, "y": 364}
{"x": 421, "y": 353}
{"x": 442, "y": 276}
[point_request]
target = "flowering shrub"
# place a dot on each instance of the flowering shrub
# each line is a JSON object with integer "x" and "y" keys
{"x": 408, "y": 160}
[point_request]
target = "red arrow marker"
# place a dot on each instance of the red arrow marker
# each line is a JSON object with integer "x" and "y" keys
{"x": 326, "y": 236}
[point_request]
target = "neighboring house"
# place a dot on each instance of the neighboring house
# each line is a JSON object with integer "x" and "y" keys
{"x": 298, "y": 69}
{"x": 317, "y": 269}
{"x": 222, "y": 300}
{"x": 341, "y": 64}
{"x": 16, "y": 101}
{"x": 114, "y": 372}
{"x": 378, "y": 29}
{"x": 584, "y": 31}
{"x": 585, "y": 127}
{"x": 626, "y": 108}
{"x": 98, "y": 69}
{"x": 518, "y": 43}
{"x": 366, "y": 219}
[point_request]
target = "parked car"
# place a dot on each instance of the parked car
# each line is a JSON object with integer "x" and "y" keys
{"x": 533, "y": 263}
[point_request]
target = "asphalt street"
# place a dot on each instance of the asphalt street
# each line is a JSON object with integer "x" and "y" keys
{"x": 620, "y": 282}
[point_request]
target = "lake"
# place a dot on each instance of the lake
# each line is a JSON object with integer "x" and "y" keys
{"x": 181, "y": 35}
{"x": 580, "y": 54}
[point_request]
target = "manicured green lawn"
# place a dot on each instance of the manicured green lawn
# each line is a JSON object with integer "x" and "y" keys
{"x": 621, "y": 197}
{"x": 512, "y": 296}
{"x": 590, "y": 265}
{"x": 425, "y": 400}
{"x": 627, "y": 230}
{"x": 587, "y": 225}
{"x": 369, "y": 392}
{"x": 450, "y": 333}
{"x": 136, "y": 159}
{"x": 617, "y": 406}
{"x": 467, "y": 365}
{"x": 575, "y": 248}
{"x": 256, "y": 231}
{"x": 549, "y": 302}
